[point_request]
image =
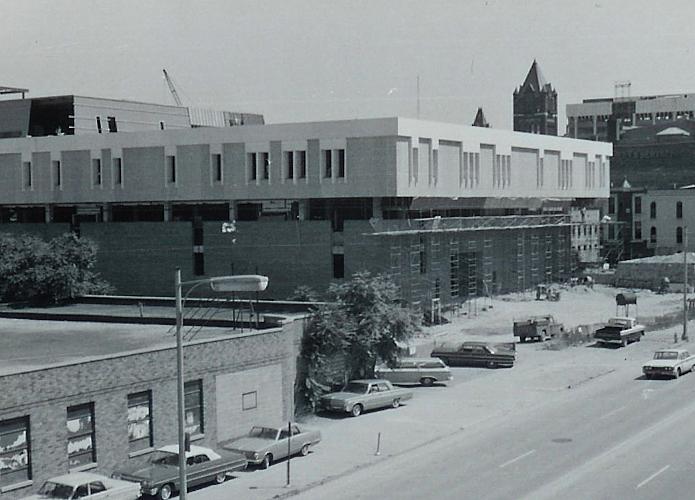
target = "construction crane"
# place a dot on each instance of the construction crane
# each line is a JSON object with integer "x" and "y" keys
{"x": 172, "y": 89}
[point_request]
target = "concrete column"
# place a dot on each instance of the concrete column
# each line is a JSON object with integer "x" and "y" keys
{"x": 48, "y": 215}
{"x": 106, "y": 212}
{"x": 167, "y": 212}
{"x": 232, "y": 210}
{"x": 303, "y": 210}
{"x": 377, "y": 211}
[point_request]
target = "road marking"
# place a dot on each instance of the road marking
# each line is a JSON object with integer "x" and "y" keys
{"x": 502, "y": 466}
{"x": 652, "y": 476}
{"x": 611, "y": 413}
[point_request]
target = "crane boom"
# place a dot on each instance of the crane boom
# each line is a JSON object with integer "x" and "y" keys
{"x": 172, "y": 89}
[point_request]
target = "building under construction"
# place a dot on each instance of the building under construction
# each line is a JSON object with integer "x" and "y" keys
{"x": 451, "y": 211}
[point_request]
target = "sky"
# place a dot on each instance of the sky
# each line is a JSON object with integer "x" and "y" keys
{"x": 312, "y": 60}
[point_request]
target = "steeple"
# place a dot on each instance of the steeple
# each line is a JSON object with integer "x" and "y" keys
{"x": 480, "y": 120}
{"x": 535, "y": 81}
{"x": 535, "y": 104}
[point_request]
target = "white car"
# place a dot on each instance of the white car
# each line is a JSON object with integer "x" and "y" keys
{"x": 669, "y": 362}
{"x": 87, "y": 485}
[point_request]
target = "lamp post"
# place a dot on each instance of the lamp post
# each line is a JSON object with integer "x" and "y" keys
{"x": 684, "y": 336}
{"x": 241, "y": 283}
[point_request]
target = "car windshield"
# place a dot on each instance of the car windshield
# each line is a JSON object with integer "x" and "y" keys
{"x": 263, "y": 432}
{"x": 665, "y": 355}
{"x": 356, "y": 387}
{"x": 55, "y": 490}
{"x": 164, "y": 458}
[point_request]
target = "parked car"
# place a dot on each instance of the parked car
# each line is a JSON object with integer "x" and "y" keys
{"x": 265, "y": 445}
{"x": 87, "y": 485}
{"x": 476, "y": 354}
{"x": 669, "y": 362}
{"x": 537, "y": 327}
{"x": 425, "y": 371}
{"x": 160, "y": 477}
{"x": 360, "y": 395}
{"x": 622, "y": 330}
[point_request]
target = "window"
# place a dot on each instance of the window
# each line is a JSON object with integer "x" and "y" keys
{"x": 265, "y": 164}
{"x": 112, "y": 123}
{"x": 161, "y": 125}
{"x": 611, "y": 205}
{"x": 117, "y": 172}
{"x": 96, "y": 171}
{"x": 140, "y": 421}
{"x": 98, "y": 124}
{"x": 253, "y": 172}
{"x": 289, "y": 164}
{"x": 652, "y": 210}
{"x": 193, "y": 401}
{"x": 301, "y": 164}
{"x": 57, "y": 177}
{"x": 652, "y": 235}
{"x": 328, "y": 163}
{"x": 638, "y": 230}
{"x": 249, "y": 400}
{"x": 341, "y": 163}
{"x": 26, "y": 167}
{"x": 638, "y": 204}
{"x": 217, "y": 168}
{"x": 81, "y": 438}
{"x": 338, "y": 266}
{"x": 679, "y": 210}
{"x": 171, "y": 169}
{"x": 679, "y": 235}
{"x": 15, "y": 456}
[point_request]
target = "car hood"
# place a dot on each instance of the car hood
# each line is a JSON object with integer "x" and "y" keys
{"x": 249, "y": 444}
{"x": 341, "y": 396}
{"x": 661, "y": 363}
{"x": 149, "y": 473}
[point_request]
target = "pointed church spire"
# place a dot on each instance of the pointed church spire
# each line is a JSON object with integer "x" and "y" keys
{"x": 480, "y": 120}
{"x": 535, "y": 81}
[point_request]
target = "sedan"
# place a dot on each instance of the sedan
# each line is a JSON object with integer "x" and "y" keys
{"x": 669, "y": 362}
{"x": 360, "y": 395}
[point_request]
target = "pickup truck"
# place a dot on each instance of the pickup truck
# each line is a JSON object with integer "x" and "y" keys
{"x": 537, "y": 327}
{"x": 622, "y": 330}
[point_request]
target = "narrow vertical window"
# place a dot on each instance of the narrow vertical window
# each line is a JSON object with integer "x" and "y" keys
{"x": 341, "y": 163}
{"x": 57, "y": 177}
{"x": 140, "y": 421}
{"x": 117, "y": 172}
{"x": 289, "y": 161}
{"x": 328, "y": 163}
{"x": 112, "y": 124}
{"x": 652, "y": 210}
{"x": 28, "y": 181}
{"x": 193, "y": 400}
{"x": 638, "y": 204}
{"x": 265, "y": 165}
{"x": 99, "y": 124}
{"x": 217, "y": 167}
{"x": 338, "y": 266}
{"x": 253, "y": 171}
{"x": 96, "y": 171}
{"x": 161, "y": 125}
{"x": 15, "y": 453}
{"x": 652, "y": 235}
{"x": 171, "y": 169}
{"x": 679, "y": 235}
{"x": 81, "y": 438}
{"x": 679, "y": 210}
{"x": 301, "y": 164}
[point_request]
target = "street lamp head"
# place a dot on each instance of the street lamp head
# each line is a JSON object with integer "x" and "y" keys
{"x": 240, "y": 283}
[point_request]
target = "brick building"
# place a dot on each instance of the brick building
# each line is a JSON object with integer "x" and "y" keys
{"x": 535, "y": 104}
{"x": 69, "y": 403}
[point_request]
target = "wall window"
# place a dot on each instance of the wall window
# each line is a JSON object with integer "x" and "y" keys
{"x": 217, "y": 168}
{"x": 652, "y": 210}
{"x": 638, "y": 230}
{"x": 652, "y": 235}
{"x": 289, "y": 164}
{"x": 193, "y": 391}
{"x": 171, "y": 169}
{"x": 112, "y": 123}
{"x": 117, "y": 172}
{"x": 253, "y": 171}
{"x": 638, "y": 204}
{"x": 96, "y": 171}
{"x": 611, "y": 205}
{"x": 249, "y": 400}
{"x": 57, "y": 174}
{"x": 26, "y": 174}
{"x": 140, "y": 421}
{"x": 99, "y": 124}
{"x": 81, "y": 438}
{"x": 301, "y": 164}
{"x": 265, "y": 164}
{"x": 15, "y": 456}
{"x": 161, "y": 125}
{"x": 338, "y": 266}
{"x": 328, "y": 163}
{"x": 679, "y": 210}
{"x": 341, "y": 163}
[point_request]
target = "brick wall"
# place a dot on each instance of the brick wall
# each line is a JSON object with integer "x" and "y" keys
{"x": 45, "y": 394}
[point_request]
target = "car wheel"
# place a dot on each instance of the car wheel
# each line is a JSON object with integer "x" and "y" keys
{"x": 166, "y": 491}
{"x": 544, "y": 334}
{"x": 678, "y": 372}
{"x": 492, "y": 364}
{"x": 624, "y": 342}
{"x": 267, "y": 461}
{"x": 221, "y": 477}
{"x": 304, "y": 451}
{"x": 396, "y": 403}
{"x": 427, "y": 381}
{"x": 356, "y": 410}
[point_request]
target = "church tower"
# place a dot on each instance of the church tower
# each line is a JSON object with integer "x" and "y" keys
{"x": 535, "y": 104}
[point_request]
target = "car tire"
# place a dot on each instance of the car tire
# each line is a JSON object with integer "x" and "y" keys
{"x": 492, "y": 364}
{"x": 304, "y": 451}
{"x": 427, "y": 381}
{"x": 267, "y": 461}
{"x": 356, "y": 410}
{"x": 678, "y": 373}
{"x": 396, "y": 403}
{"x": 221, "y": 477}
{"x": 166, "y": 492}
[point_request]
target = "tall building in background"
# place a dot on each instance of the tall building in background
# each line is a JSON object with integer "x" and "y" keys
{"x": 535, "y": 104}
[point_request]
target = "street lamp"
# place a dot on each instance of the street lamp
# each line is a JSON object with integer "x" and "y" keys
{"x": 241, "y": 283}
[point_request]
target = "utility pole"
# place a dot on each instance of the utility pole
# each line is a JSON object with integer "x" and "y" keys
{"x": 685, "y": 284}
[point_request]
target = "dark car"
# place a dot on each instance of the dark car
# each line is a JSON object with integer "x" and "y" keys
{"x": 476, "y": 354}
{"x": 160, "y": 476}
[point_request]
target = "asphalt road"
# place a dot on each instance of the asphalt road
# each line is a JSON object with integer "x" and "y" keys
{"x": 623, "y": 437}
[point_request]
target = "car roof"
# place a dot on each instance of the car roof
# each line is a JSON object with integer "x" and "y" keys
{"x": 368, "y": 380}
{"x": 77, "y": 478}
{"x": 195, "y": 450}
{"x": 416, "y": 360}
{"x": 671, "y": 350}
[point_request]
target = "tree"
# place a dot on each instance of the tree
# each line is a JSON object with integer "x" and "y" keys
{"x": 363, "y": 322}
{"x": 39, "y": 271}
{"x": 304, "y": 293}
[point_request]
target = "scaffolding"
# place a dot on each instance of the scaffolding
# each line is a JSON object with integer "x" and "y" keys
{"x": 548, "y": 258}
{"x": 535, "y": 278}
{"x": 487, "y": 265}
{"x": 472, "y": 282}
{"x": 520, "y": 262}
{"x": 454, "y": 269}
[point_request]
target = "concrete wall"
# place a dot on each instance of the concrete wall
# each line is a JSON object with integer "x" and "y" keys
{"x": 44, "y": 395}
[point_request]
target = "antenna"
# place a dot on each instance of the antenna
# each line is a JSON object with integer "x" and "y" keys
{"x": 622, "y": 87}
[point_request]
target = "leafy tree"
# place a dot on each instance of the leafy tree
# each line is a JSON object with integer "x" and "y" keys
{"x": 304, "y": 293}
{"x": 363, "y": 323}
{"x": 39, "y": 271}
